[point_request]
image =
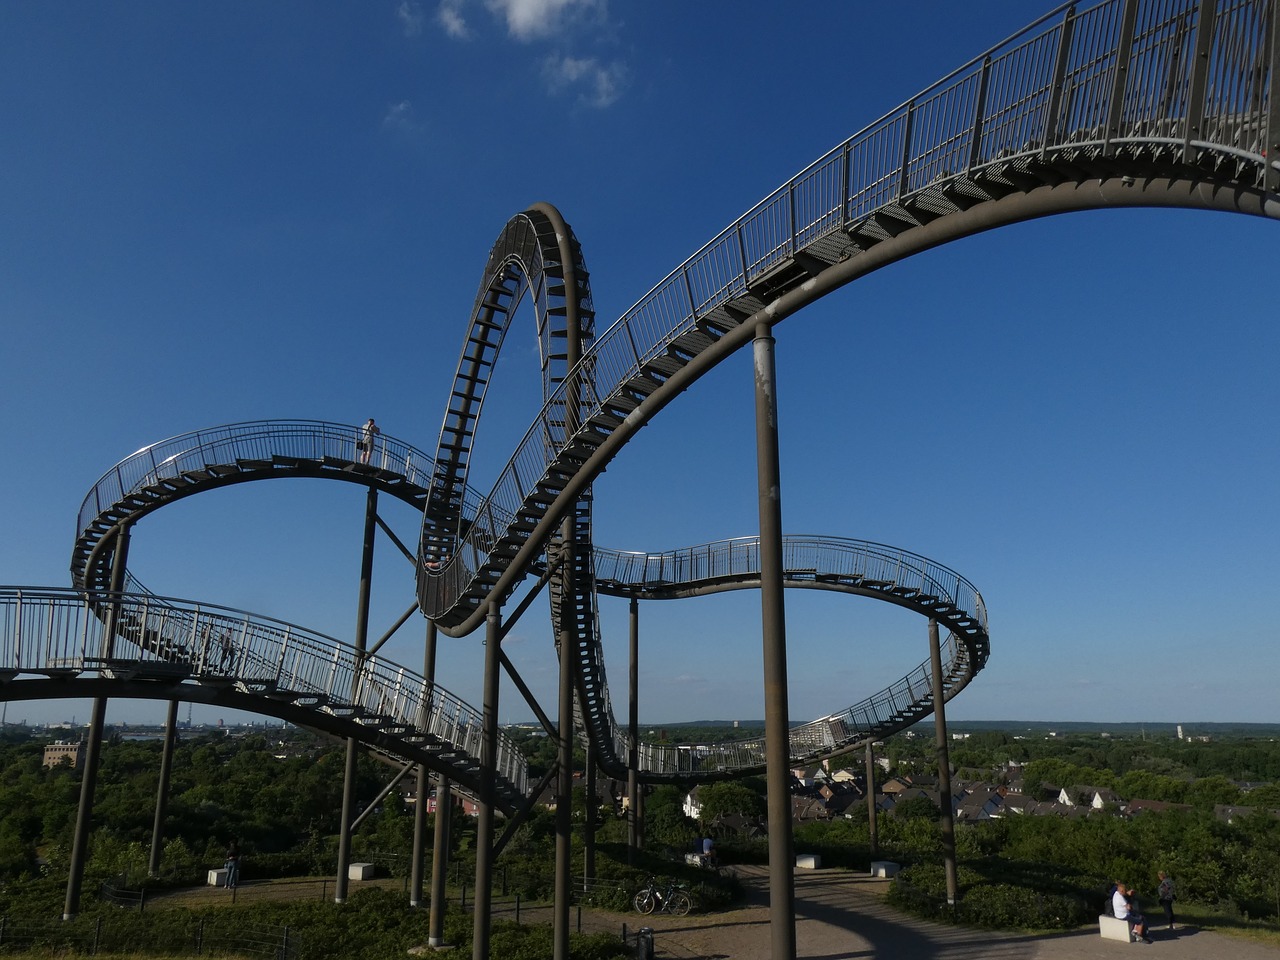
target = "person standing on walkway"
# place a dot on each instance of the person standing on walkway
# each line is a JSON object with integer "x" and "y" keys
{"x": 1165, "y": 894}
{"x": 368, "y": 435}
{"x": 232, "y": 865}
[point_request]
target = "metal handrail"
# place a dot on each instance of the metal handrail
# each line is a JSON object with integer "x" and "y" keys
{"x": 50, "y": 632}
{"x": 249, "y": 441}
{"x": 1030, "y": 94}
{"x": 723, "y": 562}
{"x": 624, "y": 572}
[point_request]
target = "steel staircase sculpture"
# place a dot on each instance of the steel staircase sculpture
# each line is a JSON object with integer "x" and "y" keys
{"x": 182, "y": 650}
{"x": 211, "y": 458}
{"x": 1125, "y": 103}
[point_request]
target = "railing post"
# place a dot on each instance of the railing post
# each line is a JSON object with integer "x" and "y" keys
{"x": 1059, "y": 80}
{"x": 846, "y": 172}
{"x": 1271, "y": 145}
{"x": 1120, "y": 81}
{"x": 907, "y": 124}
{"x": 1199, "y": 78}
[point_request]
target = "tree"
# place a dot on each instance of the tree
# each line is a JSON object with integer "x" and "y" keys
{"x": 725, "y": 799}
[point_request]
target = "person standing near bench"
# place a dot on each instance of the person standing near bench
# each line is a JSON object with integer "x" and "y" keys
{"x": 1165, "y": 894}
{"x": 1122, "y": 907}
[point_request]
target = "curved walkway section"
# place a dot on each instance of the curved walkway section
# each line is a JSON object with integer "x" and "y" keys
{"x": 206, "y": 459}
{"x": 210, "y": 458}
{"x": 1081, "y": 110}
{"x": 818, "y": 563}
{"x": 172, "y": 649}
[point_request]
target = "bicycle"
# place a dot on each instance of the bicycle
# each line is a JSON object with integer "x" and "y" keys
{"x": 672, "y": 900}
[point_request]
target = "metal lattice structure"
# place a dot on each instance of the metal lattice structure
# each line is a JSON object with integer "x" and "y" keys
{"x": 1125, "y": 103}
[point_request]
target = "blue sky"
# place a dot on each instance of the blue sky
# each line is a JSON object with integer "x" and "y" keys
{"x": 216, "y": 213}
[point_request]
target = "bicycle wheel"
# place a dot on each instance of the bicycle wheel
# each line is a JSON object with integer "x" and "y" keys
{"x": 680, "y": 903}
{"x": 645, "y": 902}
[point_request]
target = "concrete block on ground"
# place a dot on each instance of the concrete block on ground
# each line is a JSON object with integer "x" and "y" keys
{"x": 884, "y": 868}
{"x": 218, "y": 878}
{"x": 1113, "y": 928}
{"x": 808, "y": 861}
{"x": 360, "y": 871}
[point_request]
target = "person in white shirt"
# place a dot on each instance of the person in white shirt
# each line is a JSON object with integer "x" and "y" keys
{"x": 1123, "y": 909}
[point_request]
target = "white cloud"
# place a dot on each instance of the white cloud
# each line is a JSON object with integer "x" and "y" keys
{"x": 599, "y": 85}
{"x": 400, "y": 116}
{"x": 534, "y": 19}
{"x": 449, "y": 16}
{"x": 410, "y": 15}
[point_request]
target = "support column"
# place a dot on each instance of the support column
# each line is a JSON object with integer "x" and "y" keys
{"x": 589, "y": 826}
{"x": 93, "y": 749}
{"x": 420, "y": 802}
{"x": 362, "y": 641}
{"x": 871, "y": 800}
{"x": 488, "y": 791}
{"x": 162, "y": 791}
{"x": 944, "y": 766}
{"x": 777, "y": 724}
{"x": 564, "y": 800}
{"x": 440, "y": 862}
{"x": 633, "y": 731}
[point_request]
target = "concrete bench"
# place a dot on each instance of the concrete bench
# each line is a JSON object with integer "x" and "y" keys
{"x": 218, "y": 878}
{"x": 884, "y": 868}
{"x": 1113, "y": 928}
{"x": 808, "y": 861}
{"x": 360, "y": 871}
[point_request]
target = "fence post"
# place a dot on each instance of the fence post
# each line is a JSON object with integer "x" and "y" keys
{"x": 464, "y": 897}
{"x": 284, "y": 945}
{"x": 517, "y": 914}
{"x": 579, "y": 918}
{"x": 504, "y": 879}
{"x": 324, "y": 888}
{"x": 200, "y": 937}
{"x": 97, "y": 937}
{"x": 3, "y": 920}
{"x": 142, "y": 899}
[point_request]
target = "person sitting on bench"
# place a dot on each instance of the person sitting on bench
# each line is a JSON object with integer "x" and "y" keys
{"x": 1123, "y": 909}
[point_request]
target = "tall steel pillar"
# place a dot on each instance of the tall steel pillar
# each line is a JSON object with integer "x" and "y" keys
{"x": 564, "y": 801}
{"x": 488, "y": 787}
{"x": 633, "y": 732}
{"x": 944, "y": 766}
{"x": 440, "y": 862}
{"x": 420, "y": 803}
{"x": 589, "y": 824}
{"x": 97, "y": 724}
{"x": 162, "y": 791}
{"x": 361, "y": 644}
{"x": 777, "y": 723}
{"x": 871, "y": 800}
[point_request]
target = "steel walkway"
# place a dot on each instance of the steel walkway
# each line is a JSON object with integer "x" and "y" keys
{"x": 1126, "y": 103}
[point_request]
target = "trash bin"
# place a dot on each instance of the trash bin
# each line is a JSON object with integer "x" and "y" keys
{"x": 644, "y": 943}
